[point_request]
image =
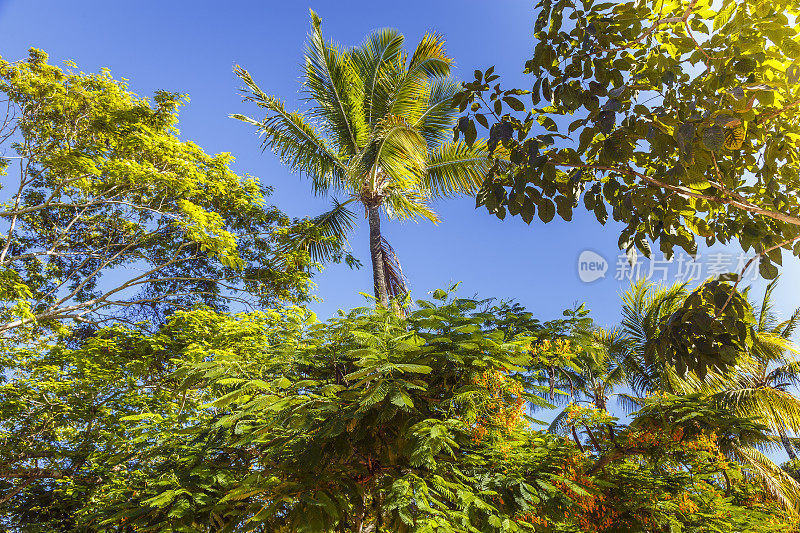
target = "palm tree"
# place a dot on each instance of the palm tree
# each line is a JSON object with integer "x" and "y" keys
{"x": 600, "y": 369}
{"x": 756, "y": 387}
{"x": 760, "y": 387}
{"x": 645, "y": 307}
{"x": 596, "y": 373}
{"x": 375, "y": 133}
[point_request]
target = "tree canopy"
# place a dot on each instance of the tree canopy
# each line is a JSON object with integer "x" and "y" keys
{"x": 677, "y": 119}
{"x": 275, "y": 421}
{"x": 160, "y": 372}
{"x": 98, "y": 183}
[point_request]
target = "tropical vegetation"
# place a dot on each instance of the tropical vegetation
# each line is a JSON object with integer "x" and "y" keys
{"x": 677, "y": 119}
{"x": 161, "y": 369}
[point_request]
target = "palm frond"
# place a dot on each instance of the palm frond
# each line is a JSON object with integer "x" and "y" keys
{"x": 787, "y": 328}
{"x": 438, "y": 115}
{"x": 335, "y": 90}
{"x": 430, "y": 57}
{"x": 428, "y": 62}
{"x": 768, "y": 444}
{"x": 766, "y": 317}
{"x": 634, "y": 315}
{"x": 613, "y": 342}
{"x": 559, "y": 423}
{"x": 292, "y": 138}
{"x": 785, "y": 374}
{"x": 394, "y": 157}
{"x": 777, "y": 481}
{"x": 629, "y": 402}
{"x": 326, "y": 233}
{"x": 376, "y": 60}
{"x": 455, "y": 168}
{"x": 615, "y": 376}
{"x": 771, "y": 346}
{"x": 735, "y": 377}
{"x": 645, "y": 306}
{"x": 688, "y": 383}
{"x": 407, "y": 204}
{"x": 774, "y": 408}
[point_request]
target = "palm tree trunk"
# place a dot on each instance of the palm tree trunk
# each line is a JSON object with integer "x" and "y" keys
{"x": 376, "y": 253}
{"x": 788, "y": 445}
{"x": 600, "y": 402}
{"x": 361, "y": 513}
{"x": 789, "y": 450}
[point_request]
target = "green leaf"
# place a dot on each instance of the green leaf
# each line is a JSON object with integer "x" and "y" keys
{"x": 793, "y": 74}
{"x": 548, "y": 123}
{"x": 514, "y": 103}
{"x": 714, "y": 138}
{"x": 528, "y": 211}
{"x": 470, "y": 134}
{"x": 439, "y": 294}
{"x": 546, "y": 210}
{"x": 606, "y": 120}
{"x": 767, "y": 269}
{"x": 535, "y": 92}
{"x": 734, "y": 137}
{"x": 724, "y": 15}
{"x": 685, "y": 135}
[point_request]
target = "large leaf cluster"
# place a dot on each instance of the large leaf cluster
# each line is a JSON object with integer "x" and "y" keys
{"x": 676, "y": 119}
{"x": 713, "y": 327}
{"x": 369, "y": 415}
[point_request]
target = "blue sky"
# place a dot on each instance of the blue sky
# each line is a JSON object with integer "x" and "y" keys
{"x": 191, "y": 47}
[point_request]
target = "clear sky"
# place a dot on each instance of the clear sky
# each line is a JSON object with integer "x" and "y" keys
{"x": 191, "y": 47}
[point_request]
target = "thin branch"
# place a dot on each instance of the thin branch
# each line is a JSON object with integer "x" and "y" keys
{"x": 778, "y": 112}
{"x": 683, "y": 191}
{"x": 746, "y": 266}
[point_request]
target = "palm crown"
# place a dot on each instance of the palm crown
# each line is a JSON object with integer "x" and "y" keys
{"x": 376, "y": 133}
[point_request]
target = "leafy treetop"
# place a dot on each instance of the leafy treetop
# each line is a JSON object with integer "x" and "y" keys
{"x": 274, "y": 421}
{"x": 684, "y": 123}
{"x": 99, "y": 182}
{"x": 374, "y": 132}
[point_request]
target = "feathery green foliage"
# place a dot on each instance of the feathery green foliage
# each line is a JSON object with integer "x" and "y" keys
{"x": 274, "y": 421}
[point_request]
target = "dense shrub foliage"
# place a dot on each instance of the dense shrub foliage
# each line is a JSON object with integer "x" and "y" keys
{"x": 275, "y": 421}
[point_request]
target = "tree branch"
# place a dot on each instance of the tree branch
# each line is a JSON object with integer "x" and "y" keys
{"x": 684, "y": 191}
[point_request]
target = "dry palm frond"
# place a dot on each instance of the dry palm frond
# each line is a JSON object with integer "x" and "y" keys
{"x": 395, "y": 280}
